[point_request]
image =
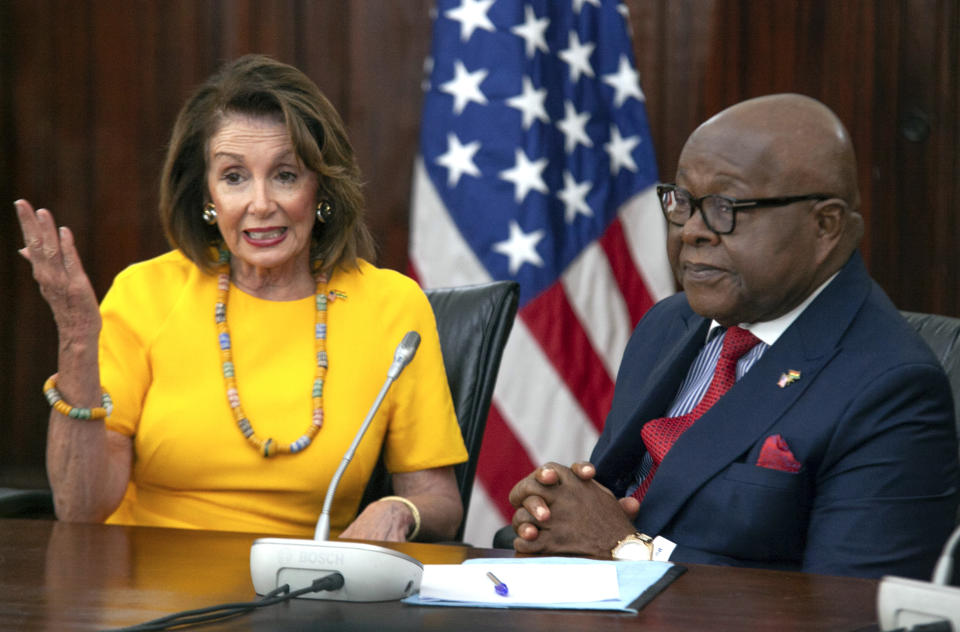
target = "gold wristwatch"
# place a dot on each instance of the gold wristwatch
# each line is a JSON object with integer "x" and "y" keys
{"x": 636, "y": 546}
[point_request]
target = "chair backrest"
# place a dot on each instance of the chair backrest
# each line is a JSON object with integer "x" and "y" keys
{"x": 942, "y": 334}
{"x": 26, "y": 503}
{"x": 474, "y": 323}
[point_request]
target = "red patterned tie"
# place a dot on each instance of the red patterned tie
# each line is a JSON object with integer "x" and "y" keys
{"x": 659, "y": 434}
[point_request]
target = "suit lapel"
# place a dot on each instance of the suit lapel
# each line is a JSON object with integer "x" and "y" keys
{"x": 755, "y": 403}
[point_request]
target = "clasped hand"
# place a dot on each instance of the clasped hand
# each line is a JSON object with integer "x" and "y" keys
{"x": 563, "y": 510}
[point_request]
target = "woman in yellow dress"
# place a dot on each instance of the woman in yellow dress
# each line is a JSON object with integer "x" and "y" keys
{"x": 218, "y": 385}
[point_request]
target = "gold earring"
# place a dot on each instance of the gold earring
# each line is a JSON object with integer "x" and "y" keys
{"x": 210, "y": 213}
{"x": 324, "y": 211}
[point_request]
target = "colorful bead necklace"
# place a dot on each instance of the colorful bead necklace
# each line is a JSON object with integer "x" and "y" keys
{"x": 270, "y": 447}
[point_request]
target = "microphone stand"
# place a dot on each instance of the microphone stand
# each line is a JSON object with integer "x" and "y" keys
{"x": 322, "y": 532}
{"x": 370, "y": 572}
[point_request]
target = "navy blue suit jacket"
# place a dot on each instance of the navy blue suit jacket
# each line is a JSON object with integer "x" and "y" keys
{"x": 870, "y": 419}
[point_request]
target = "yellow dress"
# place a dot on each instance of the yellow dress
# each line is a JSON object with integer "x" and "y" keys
{"x": 160, "y": 362}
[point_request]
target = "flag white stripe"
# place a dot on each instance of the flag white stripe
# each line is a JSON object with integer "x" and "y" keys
{"x": 440, "y": 255}
{"x": 646, "y": 235}
{"x": 595, "y": 297}
{"x": 545, "y": 417}
{"x": 483, "y": 519}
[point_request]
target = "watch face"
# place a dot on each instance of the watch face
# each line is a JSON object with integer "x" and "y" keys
{"x": 632, "y": 550}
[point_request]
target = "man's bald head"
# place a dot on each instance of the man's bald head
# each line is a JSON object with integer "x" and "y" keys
{"x": 783, "y": 146}
{"x": 806, "y": 144}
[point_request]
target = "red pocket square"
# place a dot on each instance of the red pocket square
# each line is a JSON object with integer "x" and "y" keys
{"x": 776, "y": 455}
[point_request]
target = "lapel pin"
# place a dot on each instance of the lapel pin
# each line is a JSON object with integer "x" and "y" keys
{"x": 788, "y": 378}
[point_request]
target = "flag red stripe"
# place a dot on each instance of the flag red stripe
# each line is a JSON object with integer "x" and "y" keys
{"x": 560, "y": 333}
{"x": 503, "y": 461}
{"x": 634, "y": 290}
{"x": 412, "y": 271}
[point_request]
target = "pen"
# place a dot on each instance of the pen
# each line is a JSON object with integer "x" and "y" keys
{"x": 498, "y": 585}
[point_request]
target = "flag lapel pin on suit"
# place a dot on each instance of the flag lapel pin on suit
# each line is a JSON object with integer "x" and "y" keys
{"x": 788, "y": 378}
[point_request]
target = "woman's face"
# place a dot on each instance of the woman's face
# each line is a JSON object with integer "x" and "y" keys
{"x": 265, "y": 197}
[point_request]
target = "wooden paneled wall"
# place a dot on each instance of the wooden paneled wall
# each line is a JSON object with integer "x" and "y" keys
{"x": 89, "y": 90}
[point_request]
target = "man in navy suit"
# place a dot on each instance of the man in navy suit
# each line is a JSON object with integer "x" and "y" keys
{"x": 834, "y": 451}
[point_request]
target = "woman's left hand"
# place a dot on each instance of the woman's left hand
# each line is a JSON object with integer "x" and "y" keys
{"x": 433, "y": 492}
{"x": 383, "y": 520}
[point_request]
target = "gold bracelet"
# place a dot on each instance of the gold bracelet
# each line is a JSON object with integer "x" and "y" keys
{"x": 56, "y": 401}
{"x": 413, "y": 510}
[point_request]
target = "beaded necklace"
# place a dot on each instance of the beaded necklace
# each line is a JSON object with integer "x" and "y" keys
{"x": 270, "y": 447}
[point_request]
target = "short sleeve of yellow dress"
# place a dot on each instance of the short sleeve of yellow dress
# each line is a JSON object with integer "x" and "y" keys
{"x": 193, "y": 468}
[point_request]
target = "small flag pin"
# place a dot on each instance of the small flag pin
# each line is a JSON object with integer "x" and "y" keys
{"x": 788, "y": 378}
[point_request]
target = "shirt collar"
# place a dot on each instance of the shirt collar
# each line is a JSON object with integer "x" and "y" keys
{"x": 769, "y": 331}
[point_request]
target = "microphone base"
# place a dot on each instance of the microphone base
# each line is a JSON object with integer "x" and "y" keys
{"x": 904, "y": 603}
{"x": 370, "y": 572}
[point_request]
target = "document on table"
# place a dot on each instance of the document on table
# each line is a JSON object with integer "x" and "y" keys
{"x": 526, "y": 583}
{"x": 553, "y": 582}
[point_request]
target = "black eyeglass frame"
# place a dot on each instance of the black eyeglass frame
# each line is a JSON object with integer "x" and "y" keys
{"x": 735, "y": 204}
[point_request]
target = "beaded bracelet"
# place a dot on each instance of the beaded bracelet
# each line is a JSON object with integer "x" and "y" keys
{"x": 413, "y": 510}
{"x": 56, "y": 401}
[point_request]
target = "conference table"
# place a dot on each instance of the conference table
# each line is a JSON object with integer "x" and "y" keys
{"x": 61, "y": 576}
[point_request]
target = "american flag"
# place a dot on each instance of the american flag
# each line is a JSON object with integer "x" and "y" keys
{"x": 536, "y": 164}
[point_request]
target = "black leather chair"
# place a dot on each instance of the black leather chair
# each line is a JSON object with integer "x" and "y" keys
{"x": 26, "y": 503}
{"x": 474, "y": 323}
{"x": 942, "y": 333}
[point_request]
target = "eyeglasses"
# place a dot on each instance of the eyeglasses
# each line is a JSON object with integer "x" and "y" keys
{"x": 718, "y": 211}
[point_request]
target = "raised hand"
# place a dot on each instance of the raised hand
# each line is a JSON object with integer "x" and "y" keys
{"x": 88, "y": 466}
{"x": 56, "y": 266}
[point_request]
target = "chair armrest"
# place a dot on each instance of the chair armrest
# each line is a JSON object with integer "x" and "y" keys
{"x": 26, "y": 503}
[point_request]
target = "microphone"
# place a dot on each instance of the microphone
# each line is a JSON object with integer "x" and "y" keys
{"x": 401, "y": 358}
{"x": 908, "y": 603}
{"x": 370, "y": 572}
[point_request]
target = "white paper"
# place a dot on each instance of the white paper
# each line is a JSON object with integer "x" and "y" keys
{"x": 526, "y": 583}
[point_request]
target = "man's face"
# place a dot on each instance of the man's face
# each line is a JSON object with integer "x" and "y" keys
{"x": 767, "y": 265}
